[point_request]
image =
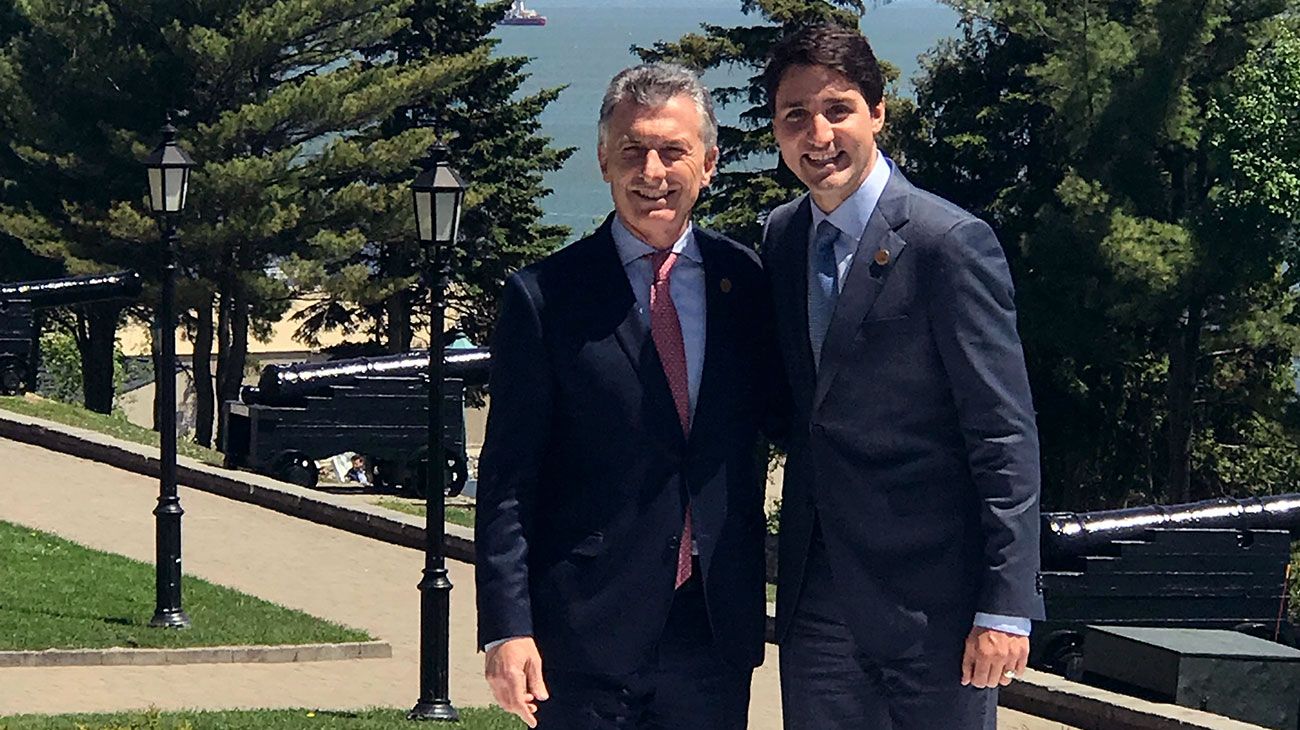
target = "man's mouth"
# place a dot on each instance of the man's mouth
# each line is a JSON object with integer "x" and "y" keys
{"x": 653, "y": 197}
{"x": 825, "y": 159}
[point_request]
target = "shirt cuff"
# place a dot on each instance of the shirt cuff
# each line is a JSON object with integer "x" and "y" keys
{"x": 1005, "y": 624}
{"x": 494, "y": 644}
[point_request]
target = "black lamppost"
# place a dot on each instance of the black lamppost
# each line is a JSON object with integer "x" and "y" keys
{"x": 169, "y": 180}
{"x": 439, "y": 192}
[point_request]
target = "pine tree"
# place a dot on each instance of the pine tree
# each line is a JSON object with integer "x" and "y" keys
{"x": 1131, "y": 156}
{"x": 369, "y": 277}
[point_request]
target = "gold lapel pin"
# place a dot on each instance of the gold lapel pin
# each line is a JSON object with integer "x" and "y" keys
{"x": 725, "y": 285}
{"x": 882, "y": 257}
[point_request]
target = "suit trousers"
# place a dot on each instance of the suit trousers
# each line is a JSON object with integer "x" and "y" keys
{"x": 686, "y": 686}
{"x": 827, "y": 684}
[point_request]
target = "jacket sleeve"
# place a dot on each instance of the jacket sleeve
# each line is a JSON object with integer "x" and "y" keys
{"x": 974, "y": 319}
{"x": 520, "y": 388}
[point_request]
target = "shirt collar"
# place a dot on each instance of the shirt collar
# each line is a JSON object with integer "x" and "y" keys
{"x": 852, "y": 215}
{"x": 630, "y": 248}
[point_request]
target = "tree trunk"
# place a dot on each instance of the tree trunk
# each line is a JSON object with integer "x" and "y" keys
{"x": 204, "y": 398}
{"x": 400, "y": 332}
{"x": 233, "y": 354}
{"x": 96, "y": 341}
{"x": 1181, "y": 394}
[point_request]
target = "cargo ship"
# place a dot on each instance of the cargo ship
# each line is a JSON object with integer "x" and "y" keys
{"x": 520, "y": 15}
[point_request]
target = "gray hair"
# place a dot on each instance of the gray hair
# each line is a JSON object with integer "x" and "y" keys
{"x": 652, "y": 85}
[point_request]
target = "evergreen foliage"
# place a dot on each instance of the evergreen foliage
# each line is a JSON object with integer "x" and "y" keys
{"x": 1140, "y": 162}
{"x": 306, "y": 117}
{"x": 369, "y": 275}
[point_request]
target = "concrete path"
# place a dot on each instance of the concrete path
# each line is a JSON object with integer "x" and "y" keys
{"x": 320, "y": 570}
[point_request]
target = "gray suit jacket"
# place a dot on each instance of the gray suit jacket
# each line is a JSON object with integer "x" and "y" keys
{"x": 914, "y": 444}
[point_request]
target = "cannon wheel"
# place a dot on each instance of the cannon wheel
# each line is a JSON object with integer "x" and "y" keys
{"x": 1285, "y": 633}
{"x": 13, "y": 375}
{"x": 457, "y": 474}
{"x": 294, "y": 467}
{"x": 1064, "y": 655}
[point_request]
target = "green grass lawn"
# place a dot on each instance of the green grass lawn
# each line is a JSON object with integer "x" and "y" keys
{"x": 471, "y": 718}
{"x": 463, "y": 516}
{"x": 56, "y": 594}
{"x": 115, "y": 426}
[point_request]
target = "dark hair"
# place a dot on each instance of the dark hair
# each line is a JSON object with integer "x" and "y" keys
{"x": 826, "y": 44}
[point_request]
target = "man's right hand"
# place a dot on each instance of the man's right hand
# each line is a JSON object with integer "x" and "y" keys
{"x": 514, "y": 672}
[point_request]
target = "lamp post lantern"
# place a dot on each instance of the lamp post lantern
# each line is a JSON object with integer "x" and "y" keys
{"x": 169, "y": 178}
{"x": 439, "y": 193}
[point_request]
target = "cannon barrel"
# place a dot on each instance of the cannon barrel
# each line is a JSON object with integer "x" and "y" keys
{"x": 74, "y": 289}
{"x": 285, "y": 383}
{"x": 1074, "y": 533}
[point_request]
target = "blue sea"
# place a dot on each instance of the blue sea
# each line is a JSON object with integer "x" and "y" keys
{"x": 585, "y": 42}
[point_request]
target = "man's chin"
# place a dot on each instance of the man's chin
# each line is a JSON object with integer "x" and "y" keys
{"x": 663, "y": 224}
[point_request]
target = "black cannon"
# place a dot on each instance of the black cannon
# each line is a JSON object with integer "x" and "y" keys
{"x": 1216, "y": 564}
{"x": 374, "y": 406}
{"x": 286, "y": 383}
{"x": 20, "y": 301}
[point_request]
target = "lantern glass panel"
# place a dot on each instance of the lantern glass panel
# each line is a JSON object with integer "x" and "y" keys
{"x": 156, "y": 190}
{"x": 448, "y": 219}
{"x": 424, "y": 215}
{"x": 175, "y": 188}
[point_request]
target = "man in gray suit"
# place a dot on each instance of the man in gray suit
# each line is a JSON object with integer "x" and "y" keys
{"x": 909, "y": 526}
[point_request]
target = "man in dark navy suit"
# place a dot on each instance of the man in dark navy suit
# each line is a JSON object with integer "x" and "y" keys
{"x": 620, "y": 527}
{"x": 909, "y": 521}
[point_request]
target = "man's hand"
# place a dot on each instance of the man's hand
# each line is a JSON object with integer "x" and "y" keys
{"x": 990, "y": 655}
{"x": 514, "y": 671}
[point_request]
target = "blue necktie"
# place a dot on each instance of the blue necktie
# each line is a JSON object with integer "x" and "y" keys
{"x": 822, "y": 289}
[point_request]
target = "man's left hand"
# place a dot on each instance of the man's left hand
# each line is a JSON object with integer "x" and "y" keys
{"x": 991, "y": 655}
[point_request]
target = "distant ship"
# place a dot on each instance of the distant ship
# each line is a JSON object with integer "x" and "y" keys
{"x": 520, "y": 15}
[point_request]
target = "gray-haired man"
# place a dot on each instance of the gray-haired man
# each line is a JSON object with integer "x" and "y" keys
{"x": 620, "y": 524}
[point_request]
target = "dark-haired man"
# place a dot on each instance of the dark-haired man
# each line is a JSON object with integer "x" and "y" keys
{"x": 909, "y": 525}
{"x": 620, "y": 517}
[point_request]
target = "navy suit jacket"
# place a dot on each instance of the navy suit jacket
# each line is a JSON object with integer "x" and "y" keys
{"x": 585, "y": 467}
{"x": 914, "y": 444}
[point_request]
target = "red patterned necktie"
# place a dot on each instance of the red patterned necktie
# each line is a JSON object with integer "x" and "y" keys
{"x": 666, "y": 330}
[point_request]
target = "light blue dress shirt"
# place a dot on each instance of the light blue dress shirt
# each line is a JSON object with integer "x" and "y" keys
{"x": 851, "y": 217}
{"x": 686, "y": 281}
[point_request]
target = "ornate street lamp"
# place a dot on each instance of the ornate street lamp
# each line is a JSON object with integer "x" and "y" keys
{"x": 439, "y": 193}
{"x": 169, "y": 179}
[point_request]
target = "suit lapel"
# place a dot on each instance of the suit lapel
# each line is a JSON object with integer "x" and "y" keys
{"x": 790, "y": 261}
{"x": 865, "y": 279}
{"x": 614, "y": 293}
{"x": 719, "y": 335}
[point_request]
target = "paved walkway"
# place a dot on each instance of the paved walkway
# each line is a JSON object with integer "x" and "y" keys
{"x": 320, "y": 570}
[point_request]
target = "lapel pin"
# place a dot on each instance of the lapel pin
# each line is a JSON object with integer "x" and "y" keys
{"x": 882, "y": 257}
{"x": 725, "y": 285}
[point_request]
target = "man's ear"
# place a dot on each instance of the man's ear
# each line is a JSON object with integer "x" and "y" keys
{"x": 602, "y": 161}
{"x": 710, "y": 165}
{"x": 878, "y": 117}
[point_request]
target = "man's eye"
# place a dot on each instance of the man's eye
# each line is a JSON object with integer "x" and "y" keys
{"x": 838, "y": 112}
{"x": 796, "y": 115}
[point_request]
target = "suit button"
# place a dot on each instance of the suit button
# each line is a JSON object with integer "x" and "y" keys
{"x": 674, "y": 543}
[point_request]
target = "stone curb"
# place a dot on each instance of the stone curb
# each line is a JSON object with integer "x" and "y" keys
{"x": 1089, "y": 708}
{"x": 123, "y": 657}
{"x": 1040, "y": 694}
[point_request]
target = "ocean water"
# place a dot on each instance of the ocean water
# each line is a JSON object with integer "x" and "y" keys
{"x": 586, "y": 42}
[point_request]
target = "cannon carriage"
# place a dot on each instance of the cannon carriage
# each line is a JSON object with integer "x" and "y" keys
{"x": 376, "y": 406}
{"x": 1215, "y": 564}
{"x": 19, "y": 303}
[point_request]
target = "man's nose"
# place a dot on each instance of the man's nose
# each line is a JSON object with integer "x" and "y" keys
{"x": 822, "y": 132}
{"x": 653, "y": 166}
